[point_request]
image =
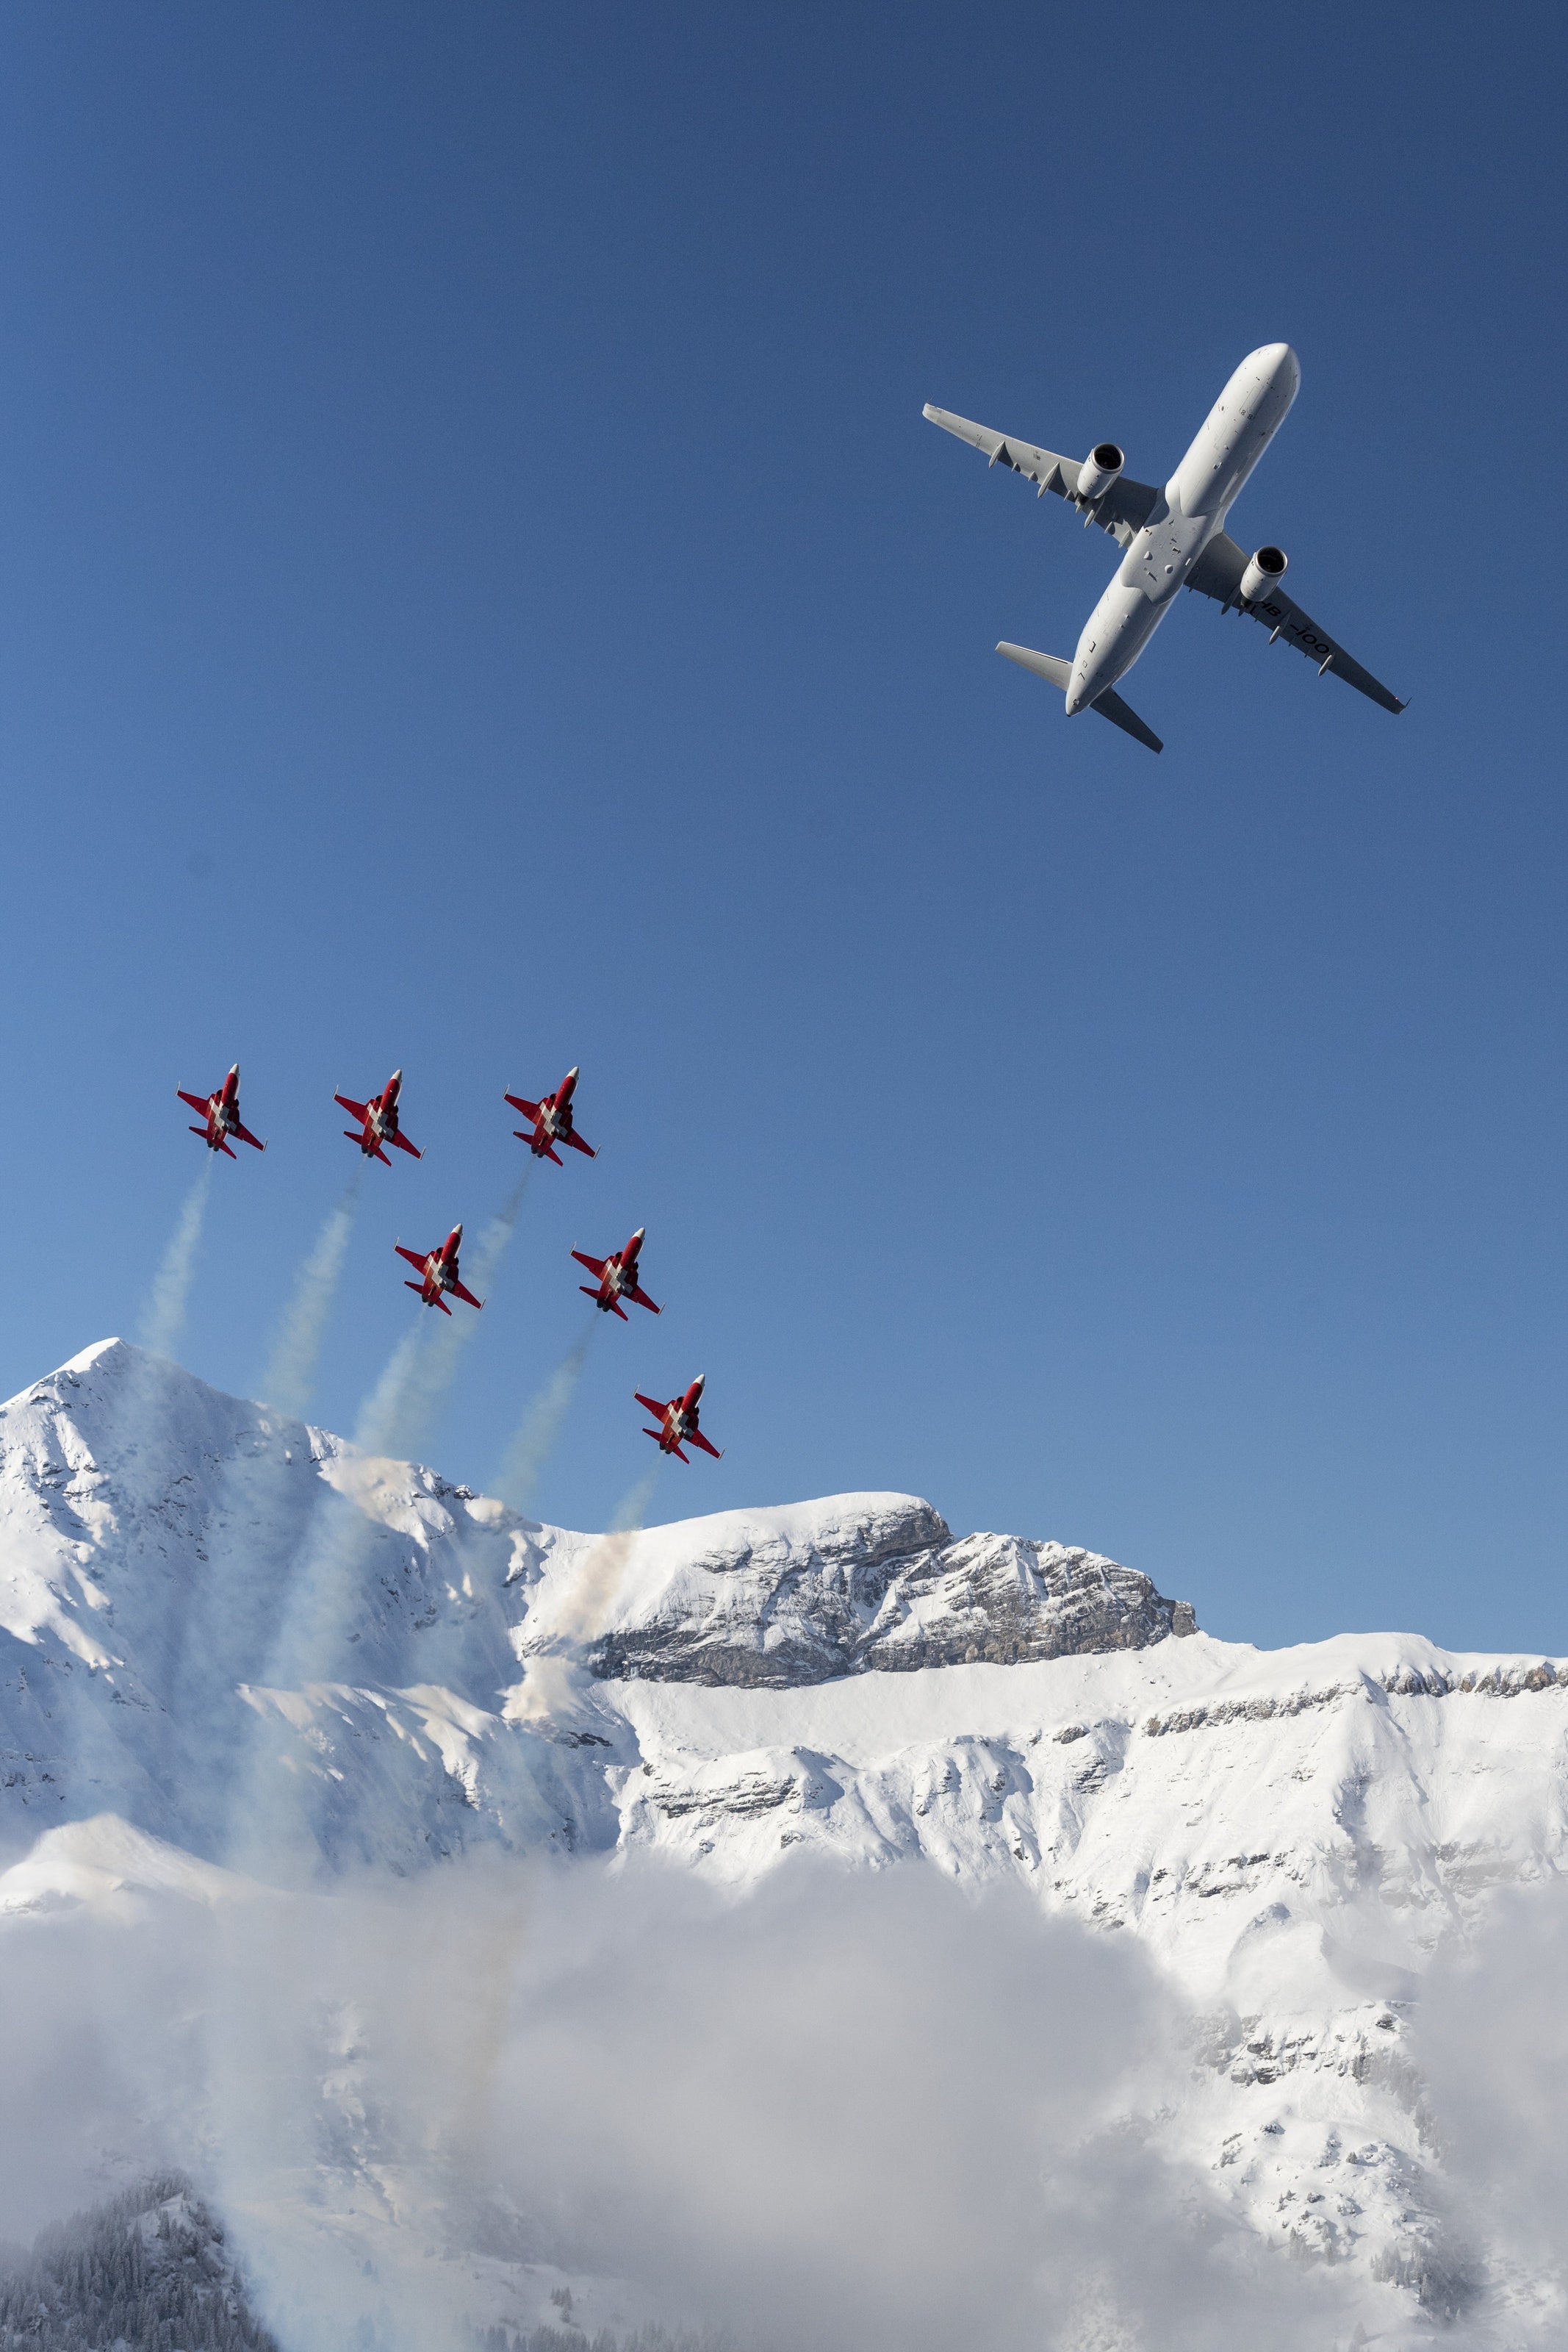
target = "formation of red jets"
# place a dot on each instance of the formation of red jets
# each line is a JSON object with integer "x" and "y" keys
{"x": 549, "y": 1122}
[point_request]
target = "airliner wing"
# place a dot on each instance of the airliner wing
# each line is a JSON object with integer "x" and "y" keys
{"x": 1122, "y": 511}
{"x": 1217, "y": 573}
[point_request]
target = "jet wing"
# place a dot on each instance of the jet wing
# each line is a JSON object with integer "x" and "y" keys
{"x": 461, "y": 1291}
{"x": 354, "y": 1109}
{"x": 595, "y": 1264}
{"x": 1122, "y": 511}
{"x": 1217, "y": 573}
{"x": 245, "y": 1136}
{"x": 642, "y": 1299}
{"x": 696, "y": 1437}
{"x": 649, "y": 1404}
{"x": 403, "y": 1144}
{"x": 578, "y": 1144}
{"x": 521, "y": 1103}
{"x": 197, "y": 1102}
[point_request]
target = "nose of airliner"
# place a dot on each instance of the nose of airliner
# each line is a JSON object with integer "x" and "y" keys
{"x": 1279, "y": 362}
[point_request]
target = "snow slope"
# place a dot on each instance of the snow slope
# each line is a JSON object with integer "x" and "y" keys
{"x": 204, "y": 1604}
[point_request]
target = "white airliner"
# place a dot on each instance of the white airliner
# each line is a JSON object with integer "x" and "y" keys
{"x": 1173, "y": 538}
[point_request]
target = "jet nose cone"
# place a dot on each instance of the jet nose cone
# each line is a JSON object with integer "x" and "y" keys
{"x": 639, "y": 1233}
{"x": 396, "y": 1079}
{"x": 572, "y": 1072}
{"x": 700, "y": 1383}
{"x": 457, "y": 1233}
{"x": 1278, "y": 361}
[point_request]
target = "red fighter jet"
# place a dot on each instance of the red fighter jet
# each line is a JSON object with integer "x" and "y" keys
{"x": 552, "y": 1122}
{"x": 439, "y": 1272}
{"x": 678, "y": 1420}
{"x": 378, "y": 1122}
{"x": 617, "y": 1279}
{"x": 221, "y": 1112}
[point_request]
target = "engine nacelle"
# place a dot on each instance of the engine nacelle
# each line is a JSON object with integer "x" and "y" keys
{"x": 1263, "y": 573}
{"x": 1098, "y": 471}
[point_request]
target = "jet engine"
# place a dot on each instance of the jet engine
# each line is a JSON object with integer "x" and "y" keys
{"x": 1263, "y": 573}
{"x": 1098, "y": 471}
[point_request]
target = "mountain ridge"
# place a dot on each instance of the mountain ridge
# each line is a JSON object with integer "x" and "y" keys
{"x": 208, "y": 1612}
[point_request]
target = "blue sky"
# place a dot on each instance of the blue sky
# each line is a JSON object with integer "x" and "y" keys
{"x": 478, "y": 594}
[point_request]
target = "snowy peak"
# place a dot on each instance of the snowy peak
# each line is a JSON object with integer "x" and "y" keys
{"x": 195, "y": 1590}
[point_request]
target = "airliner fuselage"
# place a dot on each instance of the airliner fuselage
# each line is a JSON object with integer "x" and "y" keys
{"x": 1234, "y": 433}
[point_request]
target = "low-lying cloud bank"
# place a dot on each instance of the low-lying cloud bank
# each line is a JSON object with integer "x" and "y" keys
{"x": 846, "y": 2112}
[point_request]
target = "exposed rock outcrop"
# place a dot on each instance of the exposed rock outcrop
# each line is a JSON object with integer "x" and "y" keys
{"x": 866, "y": 1583}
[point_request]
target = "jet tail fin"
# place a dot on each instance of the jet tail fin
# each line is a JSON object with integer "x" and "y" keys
{"x": 1110, "y": 704}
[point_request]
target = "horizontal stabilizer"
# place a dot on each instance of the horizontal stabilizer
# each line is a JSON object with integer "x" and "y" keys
{"x": 1051, "y": 667}
{"x": 1110, "y": 704}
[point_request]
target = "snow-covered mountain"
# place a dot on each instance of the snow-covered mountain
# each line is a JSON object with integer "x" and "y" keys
{"x": 212, "y": 1616}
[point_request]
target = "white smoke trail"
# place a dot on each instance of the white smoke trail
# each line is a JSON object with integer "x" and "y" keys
{"x": 540, "y": 1426}
{"x": 270, "y": 1830}
{"x": 598, "y": 1576}
{"x": 383, "y": 1411}
{"x": 553, "y": 1678}
{"x": 164, "y": 1318}
{"x": 291, "y": 1367}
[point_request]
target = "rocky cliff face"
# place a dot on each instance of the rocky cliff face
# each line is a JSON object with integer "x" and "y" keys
{"x": 874, "y": 1583}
